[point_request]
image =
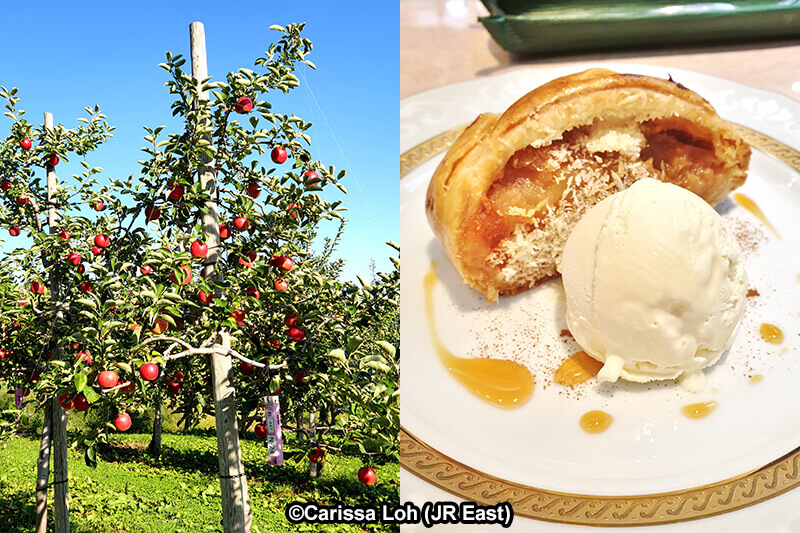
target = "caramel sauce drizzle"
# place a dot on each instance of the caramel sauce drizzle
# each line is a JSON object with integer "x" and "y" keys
{"x": 577, "y": 368}
{"x": 596, "y": 421}
{"x": 500, "y": 382}
{"x": 698, "y": 410}
{"x": 771, "y": 333}
{"x": 748, "y": 203}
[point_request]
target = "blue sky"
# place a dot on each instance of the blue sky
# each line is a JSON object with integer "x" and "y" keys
{"x": 106, "y": 53}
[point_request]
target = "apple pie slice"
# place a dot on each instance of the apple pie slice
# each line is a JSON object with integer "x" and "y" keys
{"x": 510, "y": 189}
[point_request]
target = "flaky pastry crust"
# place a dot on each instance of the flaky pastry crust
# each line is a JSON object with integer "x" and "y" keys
{"x": 565, "y": 146}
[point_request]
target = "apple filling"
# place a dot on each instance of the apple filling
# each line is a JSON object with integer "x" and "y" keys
{"x": 517, "y": 235}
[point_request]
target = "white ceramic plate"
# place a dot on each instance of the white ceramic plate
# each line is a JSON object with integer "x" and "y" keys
{"x": 650, "y": 447}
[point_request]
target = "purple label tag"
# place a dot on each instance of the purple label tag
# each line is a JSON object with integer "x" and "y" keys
{"x": 19, "y": 394}
{"x": 272, "y": 419}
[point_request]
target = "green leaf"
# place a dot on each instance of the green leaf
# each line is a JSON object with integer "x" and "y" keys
{"x": 386, "y": 347}
{"x": 87, "y": 302}
{"x": 80, "y": 381}
{"x": 91, "y": 395}
{"x": 124, "y": 366}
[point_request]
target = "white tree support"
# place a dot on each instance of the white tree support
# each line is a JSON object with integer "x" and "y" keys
{"x": 236, "y": 514}
{"x": 54, "y": 432}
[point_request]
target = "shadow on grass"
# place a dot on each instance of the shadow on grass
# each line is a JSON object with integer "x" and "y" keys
{"x": 189, "y": 461}
{"x": 18, "y": 515}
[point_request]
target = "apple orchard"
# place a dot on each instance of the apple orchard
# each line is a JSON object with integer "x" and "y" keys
{"x": 203, "y": 281}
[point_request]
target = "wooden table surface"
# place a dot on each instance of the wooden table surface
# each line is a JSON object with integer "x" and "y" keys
{"x": 442, "y": 42}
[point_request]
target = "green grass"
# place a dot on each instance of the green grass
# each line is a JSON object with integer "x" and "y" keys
{"x": 133, "y": 492}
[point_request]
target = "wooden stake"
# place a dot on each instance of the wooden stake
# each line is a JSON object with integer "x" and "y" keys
{"x": 60, "y": 469}
{"x": 236, "y": 514}
{"x": 54, "y": 433}
{"x": 43, "y": 470}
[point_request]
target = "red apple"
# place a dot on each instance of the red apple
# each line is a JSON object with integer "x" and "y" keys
{"x": 160, "y": 326}
{"x": 278, "y": 155}
{"x": 122, "y": 422}
{"x": 287, "y": 264}
{"x": 253, "y": 190}
{"x": 276, "y": 260}
{"x": 179, "y": 375}
{"x": 87, "y": 357}
{"x": 292, "y": 209}
{"x": 275, "y": 343}
{"x": 5, "y": 184}
{"x": 243, "y": 105}
{"x": 246, "y": 368}
{"x": 147, "y": 269}
{"x": 317, "y": 455}
{"x": 66, "y": 401}
{"x": 296, "y": 334}
{"x": 312, "y": 178}
{"x": 130, "y": 388}
{"x": 253, "y": 293}
{"x": 367, "y": 476}
{"x": 81, "y": 403}
{"x": 86, "y": 287}
{"x": 74, "y": 258}
{"x": 22, "y": 302}
{"x": 53, "y": 160}
{"x": 37, "y": 287}
{"x": 108, "y": 379}
{"x": 13, "y": 231}
{"x": 281, "y": 285}
{"x": 96, "y": 251}
{"x": 149, "y": 371}
{"x": 81, "y": 269}
{"x": 291, "y": 320}
{"x": 177, "y": 190}
{"x": 173, "y": 388}
{"x": 261, "y": 431}
{"x": 205, "y": 298}
{"x": 99, "y": 205}
{"x": 3, "y": 354}
{"x": 22, "y": 200}
{"x": 102, "y": 240}
{"x": 238, "y": 315}
{"x": 64, "y": 235}
{"x": 199, "y": 249}
{"x": 224, "y": 231}
{"x": 187, "y": 279}
{"x": 251, "y": 254}
{"x": 26, "y": 144}
{"x": 240, "y": 223}
{"x": 151, "y": 213}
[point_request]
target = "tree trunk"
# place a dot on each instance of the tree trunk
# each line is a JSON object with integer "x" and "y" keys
{"x": 43, "y": 469}
{"x": 155, "y": 442}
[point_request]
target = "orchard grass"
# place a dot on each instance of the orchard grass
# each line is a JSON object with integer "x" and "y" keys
{"x": 131, "y": 491}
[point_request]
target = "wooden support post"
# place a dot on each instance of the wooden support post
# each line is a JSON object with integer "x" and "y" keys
{"x": 54, "y": 433}
{"x": 60, "y": 469}
{"x": 236, "y": 514}
{"x": 43, "y": 470}
{"x": 314, "y": 469}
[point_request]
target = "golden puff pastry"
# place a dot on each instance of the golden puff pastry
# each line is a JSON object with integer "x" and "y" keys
{"x": 510, "y": 189}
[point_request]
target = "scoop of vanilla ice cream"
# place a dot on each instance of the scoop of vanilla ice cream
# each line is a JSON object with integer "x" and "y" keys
{"x": 655, "y": 284}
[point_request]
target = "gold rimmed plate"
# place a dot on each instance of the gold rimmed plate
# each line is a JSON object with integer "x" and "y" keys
{"x": 653, "y": 465}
